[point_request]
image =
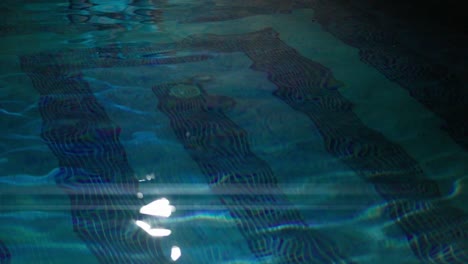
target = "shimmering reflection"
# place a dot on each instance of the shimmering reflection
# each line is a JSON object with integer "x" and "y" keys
{"x": 175, "y": 253}
{"x": 456, "y": 189}
{"x": 156, "y": 232}
{"x": 158, "y": 208}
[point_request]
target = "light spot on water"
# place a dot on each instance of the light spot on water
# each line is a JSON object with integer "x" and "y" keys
{"x": 175, "y": 253}
{"x": 155, "y": 232}
{"x": 150, "y": 176}
{"x": 160, "y": 207}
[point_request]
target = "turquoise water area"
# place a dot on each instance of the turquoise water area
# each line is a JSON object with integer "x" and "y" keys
{"x": 262, "y": 131}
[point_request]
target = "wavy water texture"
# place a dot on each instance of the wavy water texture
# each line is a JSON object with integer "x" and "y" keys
{"x": 221, "y": 150}
{"x": 428, "y": 81}
{"x": 93, "y": 166}
{"x": 334, "y": 188}
{"x": 309, "y": 88}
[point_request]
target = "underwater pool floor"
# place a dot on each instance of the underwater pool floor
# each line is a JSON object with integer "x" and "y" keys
{"x": 221, "y": 131}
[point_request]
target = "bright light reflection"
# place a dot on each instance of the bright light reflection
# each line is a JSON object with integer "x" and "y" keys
{"x": 175, "y": 253}
{"x": 143, "y": 225}
{"x": 160, "y": 207}
{"x": 156, "y": 232}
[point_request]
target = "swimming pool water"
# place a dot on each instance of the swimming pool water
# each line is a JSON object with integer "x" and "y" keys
{"x": 169, "y": 131}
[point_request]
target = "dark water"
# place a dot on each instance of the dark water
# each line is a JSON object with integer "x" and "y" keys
{"x": 259, "y": 131}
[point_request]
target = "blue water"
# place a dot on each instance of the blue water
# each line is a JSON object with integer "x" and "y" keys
{"x": 268, "y": 132}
